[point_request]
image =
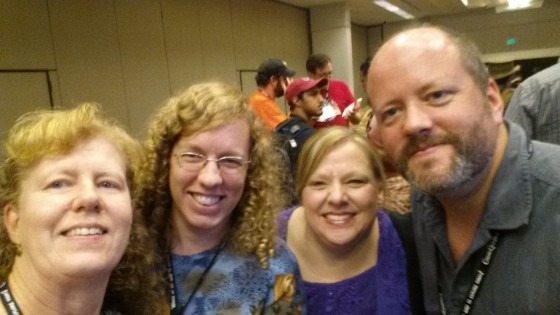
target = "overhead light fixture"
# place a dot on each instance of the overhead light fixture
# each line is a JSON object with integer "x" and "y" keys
{"x": 513, "y": 5}
{"x": 503, "y": 5}
{"x": 394, "y": 9}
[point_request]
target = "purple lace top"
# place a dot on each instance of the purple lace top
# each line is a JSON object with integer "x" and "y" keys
{"x": 382, "y": 289}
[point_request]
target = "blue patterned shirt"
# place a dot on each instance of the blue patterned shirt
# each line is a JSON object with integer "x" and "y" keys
{"x": 237, "y": 284}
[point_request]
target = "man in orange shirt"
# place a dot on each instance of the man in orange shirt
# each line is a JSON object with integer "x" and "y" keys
{"x": 273, "y": 76}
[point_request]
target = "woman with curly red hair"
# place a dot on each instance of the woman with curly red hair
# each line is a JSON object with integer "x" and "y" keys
{"x": 211, "y": 191}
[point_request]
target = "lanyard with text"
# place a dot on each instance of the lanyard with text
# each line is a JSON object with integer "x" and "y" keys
{"x": 479, "y": 275}
{"x": 173, "y": 290}
{"x": 9, "y": 303}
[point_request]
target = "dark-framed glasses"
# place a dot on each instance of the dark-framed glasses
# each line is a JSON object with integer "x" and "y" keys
{"x": 191, "y": 161}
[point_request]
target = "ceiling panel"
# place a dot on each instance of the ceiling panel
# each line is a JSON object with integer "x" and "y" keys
{"x": 364, "y": 12}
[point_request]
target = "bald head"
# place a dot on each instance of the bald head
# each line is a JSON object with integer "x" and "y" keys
{"x": 410, "y": 47}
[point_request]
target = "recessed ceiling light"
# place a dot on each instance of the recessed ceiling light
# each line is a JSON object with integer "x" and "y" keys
{"x": 394, "y": 9}
{"x": 512, "y": 5}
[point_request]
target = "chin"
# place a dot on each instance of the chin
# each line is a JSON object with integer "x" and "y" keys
{"x": 340, "y": 239}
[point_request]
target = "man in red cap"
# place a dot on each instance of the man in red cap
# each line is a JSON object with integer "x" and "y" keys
{"x": 306, "y": 102}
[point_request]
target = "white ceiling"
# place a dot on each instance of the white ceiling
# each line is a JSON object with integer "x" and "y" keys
{"x": 364, "y": 12}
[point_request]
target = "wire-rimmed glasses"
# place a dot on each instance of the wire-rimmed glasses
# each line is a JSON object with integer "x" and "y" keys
{"x": 191, "y": 161}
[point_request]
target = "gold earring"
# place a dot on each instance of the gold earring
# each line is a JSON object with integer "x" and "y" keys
{"x": 18, "y": 249}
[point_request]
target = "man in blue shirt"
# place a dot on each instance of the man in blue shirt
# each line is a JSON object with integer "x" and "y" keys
{"x": 486, "y": 199}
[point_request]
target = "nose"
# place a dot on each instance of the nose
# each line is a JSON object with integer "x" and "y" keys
{"x": 337, "y": 194}
{"x": 87, "y": 197}
{"x": 418, "y": 120}
{"x": 210, "y": 175}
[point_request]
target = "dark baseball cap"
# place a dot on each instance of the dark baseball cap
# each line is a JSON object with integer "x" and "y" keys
{"x": 275, "y": 67}
{"x": 301, "y": 85}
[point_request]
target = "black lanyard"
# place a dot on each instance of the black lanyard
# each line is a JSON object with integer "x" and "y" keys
{"x": 479, "y": 275}
{"x": 173, "y": 303}
{"x": 9, "y": 303}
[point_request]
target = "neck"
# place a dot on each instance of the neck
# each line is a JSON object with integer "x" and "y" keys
{"x": 269, "y": 91}
{"x": 463, "y": 212}
{"x": 38, "y": 293}
{"x": 188, "y": 240}
{"x": 301, "y": 114}
{"x": 326, "y": 263}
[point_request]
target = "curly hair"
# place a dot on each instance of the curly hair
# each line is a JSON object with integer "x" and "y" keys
{"x": 326, "y": 140}
{"x": 204, "y": 107}
{"x": 42, "y": 134}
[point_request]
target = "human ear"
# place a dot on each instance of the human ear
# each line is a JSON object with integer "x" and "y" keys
{"x": 11, "y": 221}
{"x": 374, "y": 134}
{"x": 495, "y": 100}
{"x": 297, "y": 101}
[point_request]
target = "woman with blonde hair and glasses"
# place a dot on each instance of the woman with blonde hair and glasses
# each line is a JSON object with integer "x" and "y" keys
{"x": 211, "y": 190}
{"x": 70, "y": 239}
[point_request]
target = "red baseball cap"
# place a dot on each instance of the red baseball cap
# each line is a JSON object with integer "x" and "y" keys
{"x": 301, "y": 85}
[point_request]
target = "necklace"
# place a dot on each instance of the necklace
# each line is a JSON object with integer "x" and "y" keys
{"x": 172, "y": 287}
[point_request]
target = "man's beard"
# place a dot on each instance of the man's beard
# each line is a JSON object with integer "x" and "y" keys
{"x": 278, "y": 90}
{"x": 473, "y": 154}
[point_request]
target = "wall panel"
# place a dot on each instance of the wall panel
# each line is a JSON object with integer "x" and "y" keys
{"x": 142, "y": 46}
{"x": 216, "y": 29}
{"x": 88, "y": 56}
{"x": 183, "y": 42}
{"x": 21, "y": 92}
{"x": 25, "y": 35}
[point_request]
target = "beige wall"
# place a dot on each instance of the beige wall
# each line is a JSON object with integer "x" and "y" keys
{"x": 132, "y": 55}
{"x": 359, "y": 54}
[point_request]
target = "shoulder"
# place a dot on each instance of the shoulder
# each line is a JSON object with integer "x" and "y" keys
{"x": 402, "y": 224}
{"x": 283, "y": 219}
{"x": 283, "y": 261}
{"x": 546, "y": 81}
{"x": 259, "y": 98}
{"x": 254, "y": 96}
{"x": 544, "y": 163}
{"x": 282, "y": 254}
{"x": 338, "y": 84}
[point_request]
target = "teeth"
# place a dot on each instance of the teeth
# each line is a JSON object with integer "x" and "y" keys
{"x": 338, "y": 218}
{"x": 206, "y": 200}
{"x": 84, "y": 231}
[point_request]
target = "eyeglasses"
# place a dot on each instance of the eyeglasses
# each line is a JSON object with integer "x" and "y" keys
{"x": 191, "y": 161}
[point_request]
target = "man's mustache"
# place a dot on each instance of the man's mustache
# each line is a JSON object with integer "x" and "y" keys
{"x": 418, "y": 142}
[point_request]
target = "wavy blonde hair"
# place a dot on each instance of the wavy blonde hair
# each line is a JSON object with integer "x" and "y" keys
{"x": 204, "y": 107}
{"x": 42, "y": 134}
